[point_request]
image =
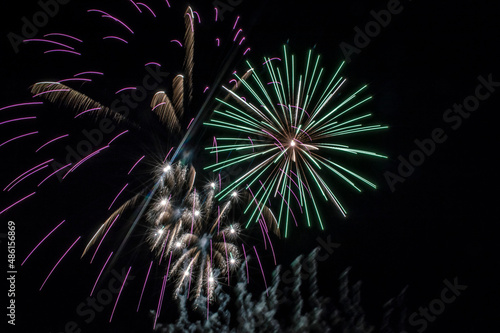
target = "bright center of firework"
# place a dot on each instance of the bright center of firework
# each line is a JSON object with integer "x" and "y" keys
{"x": 178, "y": 244}
{"x": 186, "y": 273}
{"x": 234, "y": 194}
{"x": 232, "y": 261}
{"x": 211, "y": 279}
{"x": 212, "y": 185}
{"x": 159, "y": 232}
{"x": 197, "y": 213}
{"x": 163, "y": 202}
{"x": 167, "y": 168}
{"x": 292, "y": 143}
{"x": 232, "y": 230}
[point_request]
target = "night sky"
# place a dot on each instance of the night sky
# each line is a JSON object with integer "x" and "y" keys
{"x": 422, "y": 226}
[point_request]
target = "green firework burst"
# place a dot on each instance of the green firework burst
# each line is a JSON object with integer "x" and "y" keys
{"x": 288, "y": 133}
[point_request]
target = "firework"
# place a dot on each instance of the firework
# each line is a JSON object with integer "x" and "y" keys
{"x": 290, "y": 130}
{"x": 185, "y": 231}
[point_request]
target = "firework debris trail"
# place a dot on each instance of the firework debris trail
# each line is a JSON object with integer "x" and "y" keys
{"x": 313, "y": 313}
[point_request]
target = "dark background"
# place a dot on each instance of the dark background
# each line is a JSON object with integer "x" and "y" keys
{"x": 439, "y": 224}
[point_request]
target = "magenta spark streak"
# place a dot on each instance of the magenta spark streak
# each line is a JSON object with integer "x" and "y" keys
{"x": 206, "y": 88}
{"x": 273, "y": 138}
{"x": 168, "y": 154}
{"x": 256, "y": 203}
{"x": 17, "y": 119}
{"x": 302, "y": 144}
{"x": 50, "y": 91}
{"x": 117, "y": 20}
{"x": 288, "y": 207}
{"x": 242, "y": 40}
{"x": 140, "y": 11}
{"x": 136, "y": 164}
{"x": 41, "y": 242}
{"x": 62, "y": 50}
{"x": 89, "y": 72}
{"x": 89, "y": 110}
{"x": 118, "y": 297}
{"x": 63, "y": 35}
{"x": 124, "y": 187}
{"x": 270, "y": 243}
{"x": 302, "y": 132}
{"x": 116, "y": 137}
{"x": 144, "y": 287}
{"x": 162, "y": 103}
{"x": 153, "y": 63}
{"x": 235, "y": 37}
{"x": 168, "y": 3}
{"x": 236, "y": 22}
{"x": 253, "y": 149}
{"x": 289, "y": 177}
{"x": 246, "y": 51}
{"x": 176, "y": 41}
{"x": 18, "y": 137}
{"x": 208, "y": 293}
{"x": 84, "y": 159}
{"x": 31, "y": 173}
{"x": 102, "y": 239}
{"x": 160, "y": 300}
{"x": 73, "y": 79}
{"x": 48, "y": 41}
{"x": 298, "y": 107}
{"x": 218, "y": 219}
{"x": 58, "y": 138}
{"x": 52, "y": 174}
{"x": 116, "y": 37}
{"x": 216, "y": 13}
{"x": 216, "y": 152}
{"x": 21, "y": 104}
{"x": 197, "y": 15}
{"x": 295, "y": 198}
{"x": 276, "y": 58}
{"x": 262, "y": 270}
{"x": 262, "y": 226}
{"x": 17, "y": 202}
{"x": 218, "y": 41}
{"x": 59, "y": 261}
{"x": 102, "y": 270}
{"x": 127, "y": 88}
{"x": 190, "y": 123}
{"x": 305, "y": 186}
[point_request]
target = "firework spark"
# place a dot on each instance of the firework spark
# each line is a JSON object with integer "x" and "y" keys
{"x": 290, "y": 128}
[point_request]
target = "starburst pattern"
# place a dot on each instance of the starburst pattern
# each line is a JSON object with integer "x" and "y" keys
{"x": 289, "y": 132}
